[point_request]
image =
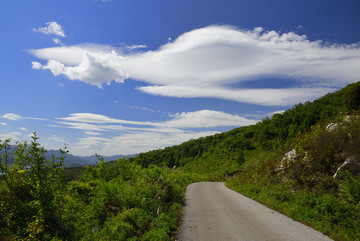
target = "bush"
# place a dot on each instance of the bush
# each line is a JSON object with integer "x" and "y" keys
{"x": 352, "y": 97}
{"x": 31, "y": 192}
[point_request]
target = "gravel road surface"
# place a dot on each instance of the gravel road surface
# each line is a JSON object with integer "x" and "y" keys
{"x": 214, "y": 212}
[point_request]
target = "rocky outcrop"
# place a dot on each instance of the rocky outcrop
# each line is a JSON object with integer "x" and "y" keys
{"x": 351, "y": 164}
{"x": 333, "y": 127}
{"x": 347, "y": 156}
{"x": 288, "y": 159}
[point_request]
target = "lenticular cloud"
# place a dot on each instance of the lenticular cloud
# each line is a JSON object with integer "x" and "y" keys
{"x": 205, "y": 62}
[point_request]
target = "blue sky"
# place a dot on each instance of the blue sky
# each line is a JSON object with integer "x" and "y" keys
{"x": 122, "y": 77}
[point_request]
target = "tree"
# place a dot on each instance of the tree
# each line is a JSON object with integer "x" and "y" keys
{"x": 352, "y": 97}
{"x": 30, "y": 192}
{"x": 240, "y": 159}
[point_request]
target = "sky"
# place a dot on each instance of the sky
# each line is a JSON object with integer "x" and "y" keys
{"x": 128, "y": 76}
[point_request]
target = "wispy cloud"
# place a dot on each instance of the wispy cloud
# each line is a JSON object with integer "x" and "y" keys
{"x": 58, "y": 41}
{"x": 197, "y": 119}
{"x": 206, "y": 119}
{"x": 128, "y": 137}
{"x": 136, "y": 46}
{"x": 261, "y": 96}
{"x": 108, "y": 135}
{"x": 134, "y": 142}
{"x": 104, "y": 1}
{"x": 15, "y": 117}
{"x": 14, "y": 135}
{"x": 56, "y": 139}
{"x": 143, "y": 108}
{"x": 51, "y": 28}
{"x": 92, "y": 133}
{"x": 145, "y": 141}
{"x": 205, "y": 62}
{"x": 11, "y": 116}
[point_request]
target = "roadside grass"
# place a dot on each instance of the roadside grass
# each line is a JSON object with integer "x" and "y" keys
{"x": 324, "y": 212}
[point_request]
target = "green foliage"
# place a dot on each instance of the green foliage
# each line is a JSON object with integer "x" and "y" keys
{"x": 352, "y": 97}
{"x": 134, "y": 204}
{"x": 350, "y": 189}
{"x": 240, "y": 158}
{"x": 31, "y": 190}
{"x": 306, "y": 190}
{"x": 140, "y": 198}
{"x": 110, "y": 201}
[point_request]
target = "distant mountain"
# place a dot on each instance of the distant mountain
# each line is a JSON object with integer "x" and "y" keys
{"x": 93, "y": 159}
{"x": 70, "y": 160}
{"x": 76, "y": 161}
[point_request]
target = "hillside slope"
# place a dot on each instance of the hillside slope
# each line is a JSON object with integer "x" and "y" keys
{"x": 249, "y": 158}
{"x": 139, "y": 198}
{"x": 227, "y": 149}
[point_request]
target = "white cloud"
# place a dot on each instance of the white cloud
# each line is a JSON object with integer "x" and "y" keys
{"x": 92, "y": 64}
{"x": 142, "y": 142}
{"x": 14, "y": 136}
{"x": 136, "y": 46}
{"x": 56, "y": 139}
{"x": 23, "y": 128}
{"x": 137, "y": 136}
{"x": 36, "y": 65}
{"x": 52, "y": 28}
{"x": 11, "y": 116}
{"x": 133, "y": 142}
{"x": 143, "y": 108}
{"x": 206, "y": 119}
{"x": 276, "y": 112}
{"x": 266, "y": 97}
{"x": 87, "y": 145}
{"x": 35, "y": 118}
{"x": 58, "y": 41}
{"x": 197, "y": 119}
{"x": 3, "y": 124}
{"x": 96, "y": 118}
{"x": 205, "y": 62}
{"x": 92, "y": 133}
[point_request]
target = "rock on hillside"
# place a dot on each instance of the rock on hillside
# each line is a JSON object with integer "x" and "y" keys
{"x": 348, "y": 158}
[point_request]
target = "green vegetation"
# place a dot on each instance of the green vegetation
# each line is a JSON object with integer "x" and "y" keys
{"x": 140, "y": 198}
{"x": 249, "y": 159}
{"x": 110, "y": 201}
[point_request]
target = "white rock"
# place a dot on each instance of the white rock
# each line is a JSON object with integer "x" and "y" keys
{"x": 332, "y": 127}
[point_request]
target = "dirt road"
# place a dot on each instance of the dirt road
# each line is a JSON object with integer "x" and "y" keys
{"x": 214, "y": 212}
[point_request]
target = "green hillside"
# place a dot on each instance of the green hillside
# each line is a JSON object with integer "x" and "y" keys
{"x": 140, "y": 198}
{"x": 249, "y": 159}
{"x": 220, "y": 154}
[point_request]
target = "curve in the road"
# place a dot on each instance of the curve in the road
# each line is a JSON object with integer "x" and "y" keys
{"x": 214, "y": 212}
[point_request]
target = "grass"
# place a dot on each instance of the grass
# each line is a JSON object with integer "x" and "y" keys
{"x": 325, "y": 213}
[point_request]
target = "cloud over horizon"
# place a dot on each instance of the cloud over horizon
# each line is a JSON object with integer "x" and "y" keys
{"x": 206, "y": 62}
{"x": 129, "y": 137}
{"x": 109, "y": 136}
{"x": 197, "y": 120}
